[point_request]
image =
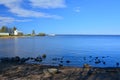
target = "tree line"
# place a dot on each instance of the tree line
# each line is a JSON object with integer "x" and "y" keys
{"x": 5, "y": 29}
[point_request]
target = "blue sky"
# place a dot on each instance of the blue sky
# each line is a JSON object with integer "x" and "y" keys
{"x": 62, "y": 16}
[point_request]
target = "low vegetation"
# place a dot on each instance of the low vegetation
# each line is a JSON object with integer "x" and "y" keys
{"x": 41, "y": 34}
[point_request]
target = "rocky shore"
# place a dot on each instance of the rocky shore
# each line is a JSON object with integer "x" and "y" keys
{"x": 23, "y": 71}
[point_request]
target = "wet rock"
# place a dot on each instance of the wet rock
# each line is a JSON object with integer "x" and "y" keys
{"x": 96, "y": 57}
{"x": 31, "y": 58}
{"x": 117, "y": 64}
{"x": 5, "y": 59}
{"x": 23, "y": 60}
{"x": 44, "y": 56}
{"x": 15, "y": 59}
{"x": 67, "y": 61}
{"x": 54, "y": 59}
{"x": 57, "y": 59}
{"x": 103, "y": 57}
{"x": 61, "y": 61}
{"x": 38, "y": 59}
{"x": 60, "y": 65}
{"x": 90, "y": 56}
{"x": 97, "y": 61}
{"x": 104, "y": 62}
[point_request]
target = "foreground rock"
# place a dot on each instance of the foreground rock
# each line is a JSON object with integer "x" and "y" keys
{"x": 10, "y": 71}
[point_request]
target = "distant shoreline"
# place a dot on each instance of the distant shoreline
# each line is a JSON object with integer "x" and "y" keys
{"x": 87, "y": 35}
{"x": 59, "y": 35}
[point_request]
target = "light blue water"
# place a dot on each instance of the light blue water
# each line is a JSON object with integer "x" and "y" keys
{"x": 77, "y": 49}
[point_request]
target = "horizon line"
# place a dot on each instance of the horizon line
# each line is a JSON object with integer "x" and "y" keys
{"x": 92, "y": 34}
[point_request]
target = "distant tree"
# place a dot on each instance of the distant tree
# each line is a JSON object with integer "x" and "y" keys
{"x": 28, "y": 35}
{"x": 14, "y": 28}
{"x": 7, "y": 29}
{"x": 0, "y": 30}
{"x": 10, "y": 30}
{"x": 33, "y": 33}
{"x": 3, "y": 29}
{"x": 41, "y": 34}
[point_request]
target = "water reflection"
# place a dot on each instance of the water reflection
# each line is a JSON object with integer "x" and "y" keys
{"x": 15, "y": 46}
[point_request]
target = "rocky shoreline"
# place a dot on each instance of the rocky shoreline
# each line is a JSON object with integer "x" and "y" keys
{"x": 23, "y": 71}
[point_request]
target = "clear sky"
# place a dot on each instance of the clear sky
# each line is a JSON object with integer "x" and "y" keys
{"x": 62, "y": 16}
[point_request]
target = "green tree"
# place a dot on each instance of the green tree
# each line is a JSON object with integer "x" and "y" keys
{"x": 41, "y": 34}
{"x": 14, "y": 28}
{"x": 3, "y": 29}
{"x": 10, "y": 31}
{"x": 33, "y": 33}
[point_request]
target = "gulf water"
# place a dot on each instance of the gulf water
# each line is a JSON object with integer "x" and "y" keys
{"x": 77, "y": 49}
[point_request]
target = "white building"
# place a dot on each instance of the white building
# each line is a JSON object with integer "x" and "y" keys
{"x": 4, "y": 34}
{"x": 16, "y": 32}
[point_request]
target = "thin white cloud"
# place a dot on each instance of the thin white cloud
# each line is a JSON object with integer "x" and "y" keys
{"x": 48, "y": 3}
{"x": 15, "y": 7}
{"x": 24, "y": 20}
{"x": 77, "y": 9}
{"x": 28, "y": 13}
{"x": 7, "y": 20}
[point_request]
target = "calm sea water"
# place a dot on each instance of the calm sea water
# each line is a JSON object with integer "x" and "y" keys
{"x": 77, "y": 49}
